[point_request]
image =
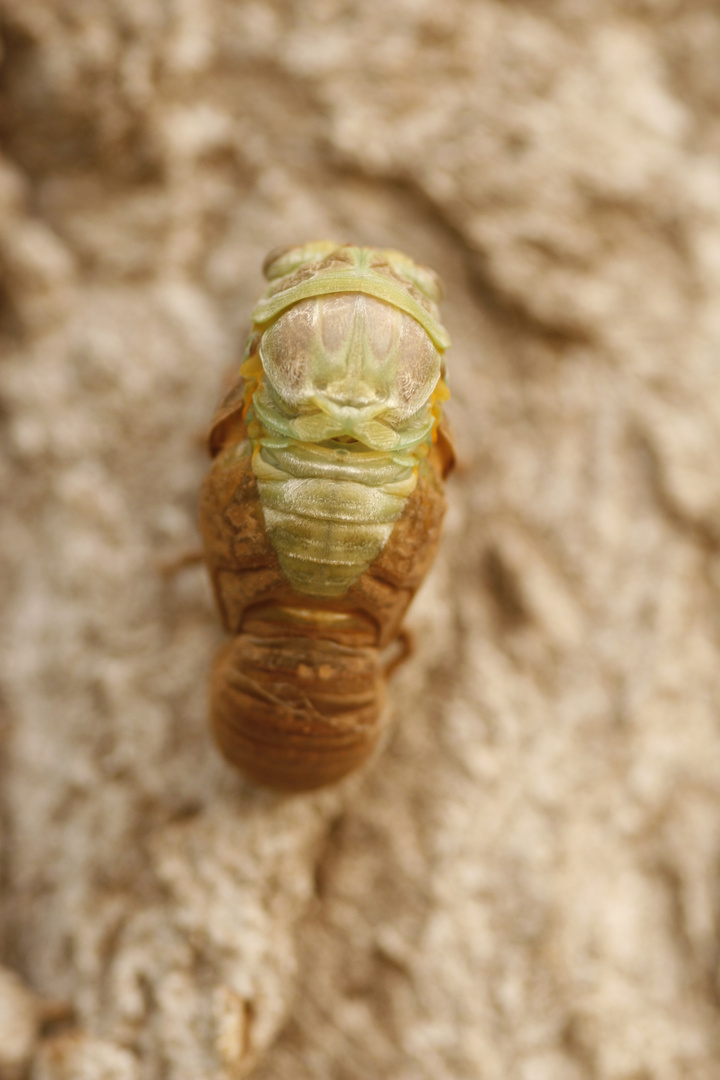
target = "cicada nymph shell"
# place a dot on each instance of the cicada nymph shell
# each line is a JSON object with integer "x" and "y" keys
{"x": 321, "y": 513}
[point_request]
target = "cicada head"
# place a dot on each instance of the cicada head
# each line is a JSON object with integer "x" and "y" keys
{"x": 351, "y": 346}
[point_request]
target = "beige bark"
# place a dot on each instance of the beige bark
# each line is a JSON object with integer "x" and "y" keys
{"x": 524, "y": 885}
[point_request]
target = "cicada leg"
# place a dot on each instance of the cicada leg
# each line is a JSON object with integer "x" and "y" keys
{"x": 170, "y": 565}
{"x": 401, "y": 650}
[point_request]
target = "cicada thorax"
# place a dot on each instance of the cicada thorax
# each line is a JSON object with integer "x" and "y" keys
{"x": 321, "y": 513}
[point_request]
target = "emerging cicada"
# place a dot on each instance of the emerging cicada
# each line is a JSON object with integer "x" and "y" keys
{"x": 321, "y": 513}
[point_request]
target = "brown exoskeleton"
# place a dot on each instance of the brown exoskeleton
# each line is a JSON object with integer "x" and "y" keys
{"x": 321, "y": 513}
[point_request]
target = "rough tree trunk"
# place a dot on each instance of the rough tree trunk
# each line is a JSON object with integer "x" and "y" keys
{"x": 525, "y": 884}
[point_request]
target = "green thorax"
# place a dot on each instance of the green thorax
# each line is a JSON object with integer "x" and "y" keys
{"x": 344, "y": 384}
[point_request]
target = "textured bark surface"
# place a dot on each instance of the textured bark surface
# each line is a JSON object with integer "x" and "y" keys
{"x": 525, "y": 885}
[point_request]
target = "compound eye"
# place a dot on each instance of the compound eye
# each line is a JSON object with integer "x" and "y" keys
{"x": 422, "y": 277}
{"x": 283, "y": 261}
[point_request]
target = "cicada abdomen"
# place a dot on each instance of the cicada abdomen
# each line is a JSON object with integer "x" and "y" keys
{"x": 321, "y": 513}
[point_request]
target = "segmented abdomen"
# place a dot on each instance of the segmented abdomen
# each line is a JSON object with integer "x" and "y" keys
{"x": 329, "y": 511}
{"x": 297, "y": 712}
{"x": 297, "y": 694}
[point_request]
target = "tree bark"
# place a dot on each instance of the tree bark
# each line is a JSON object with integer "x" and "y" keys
{"x": 523, "y": 884}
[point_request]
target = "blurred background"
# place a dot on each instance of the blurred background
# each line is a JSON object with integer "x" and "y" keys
{"x": 525, "y": 885}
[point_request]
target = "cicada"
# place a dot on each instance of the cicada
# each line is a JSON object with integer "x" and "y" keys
{"x": 321, "y": 513}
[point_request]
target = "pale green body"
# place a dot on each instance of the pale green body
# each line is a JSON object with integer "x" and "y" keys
{"x": 329, "y": 512}
{"x": 342, "y": 412}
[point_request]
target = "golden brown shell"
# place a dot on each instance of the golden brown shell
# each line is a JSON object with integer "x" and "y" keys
{"x": 321, "y": 513}
{"x": 297, "y": 695}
